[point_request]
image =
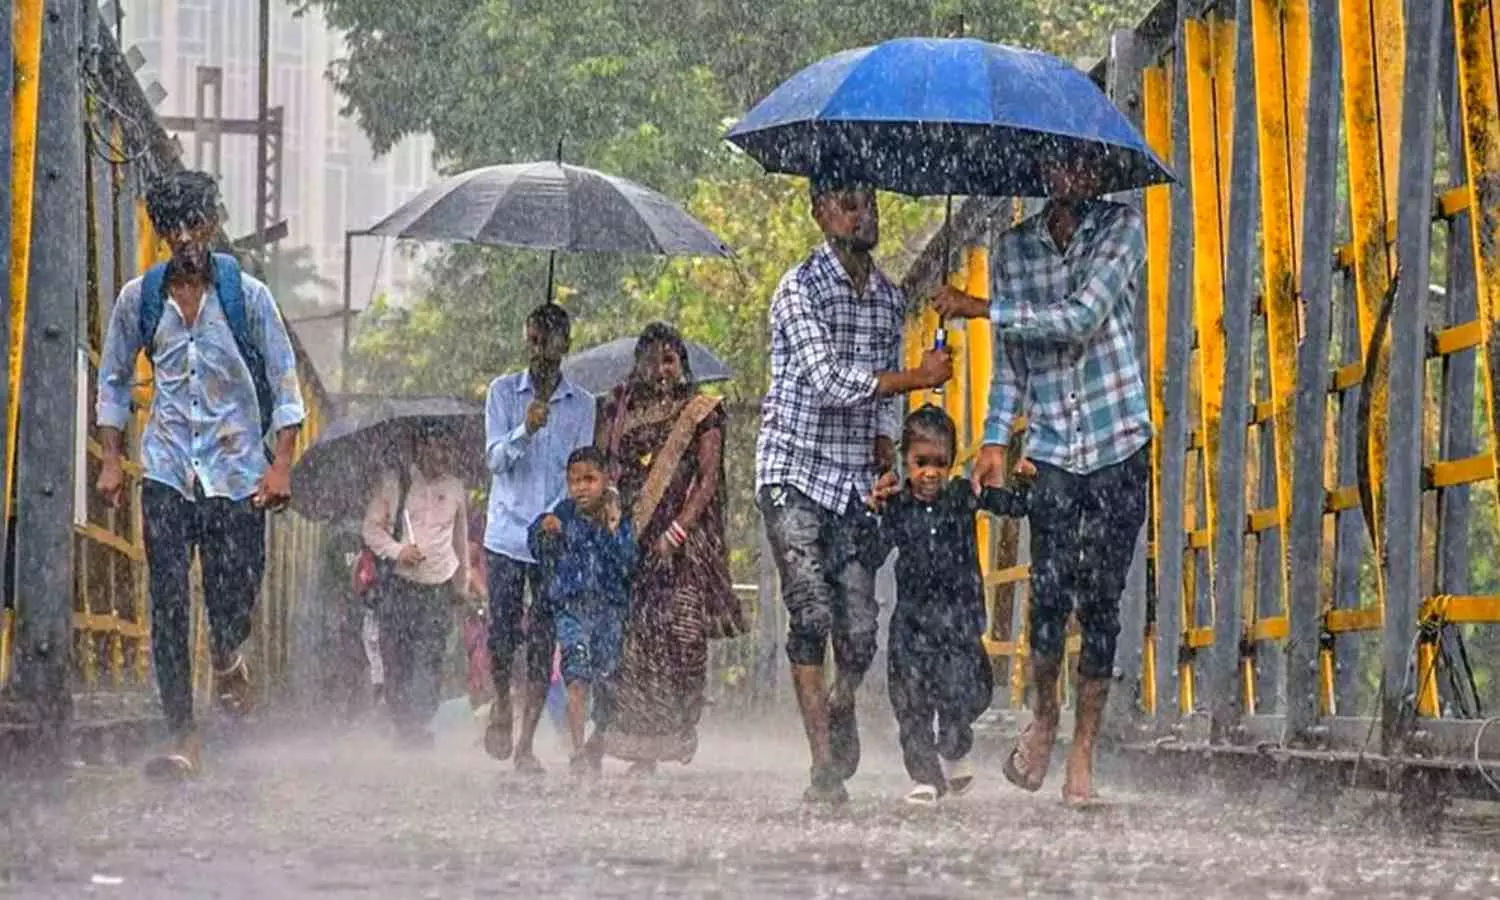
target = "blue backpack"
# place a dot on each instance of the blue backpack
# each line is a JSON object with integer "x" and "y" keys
{"x": 230, "y": 290}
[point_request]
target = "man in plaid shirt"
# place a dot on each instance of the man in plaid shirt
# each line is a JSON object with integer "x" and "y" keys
{"x": 828, "y": 426}
{"x": 1063, "y": 293}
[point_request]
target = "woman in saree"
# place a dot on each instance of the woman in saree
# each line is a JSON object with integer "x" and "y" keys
{"x": 664, "y": 440}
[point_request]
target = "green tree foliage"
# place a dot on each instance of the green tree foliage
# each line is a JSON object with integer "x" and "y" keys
{"x": 644, "y": 90}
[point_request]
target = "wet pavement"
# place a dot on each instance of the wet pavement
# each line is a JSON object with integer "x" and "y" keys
{"x": 344, "y": 815}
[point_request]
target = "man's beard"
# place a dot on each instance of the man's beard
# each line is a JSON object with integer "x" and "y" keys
{"x": 855, "y": 243}
{"x": 191, "y": 263}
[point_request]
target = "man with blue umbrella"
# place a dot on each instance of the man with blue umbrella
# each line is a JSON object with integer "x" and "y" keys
{"x": 829, "y": 423}
{"x": 1063, "y": 288}
{"x": 934, "y": 116}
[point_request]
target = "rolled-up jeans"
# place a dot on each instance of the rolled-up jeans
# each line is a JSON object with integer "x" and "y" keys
{"x": 828, "y": 589}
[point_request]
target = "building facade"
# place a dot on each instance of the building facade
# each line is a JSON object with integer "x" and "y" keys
{"x": 332, "y": 181}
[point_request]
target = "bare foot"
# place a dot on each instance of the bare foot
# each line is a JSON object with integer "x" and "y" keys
{"x": 528, "y": 764}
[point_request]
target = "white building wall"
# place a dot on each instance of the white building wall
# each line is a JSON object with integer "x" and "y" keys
{"x": 331, "y": 179}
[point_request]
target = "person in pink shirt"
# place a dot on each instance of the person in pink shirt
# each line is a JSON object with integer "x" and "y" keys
{"x": 418, "y": 519}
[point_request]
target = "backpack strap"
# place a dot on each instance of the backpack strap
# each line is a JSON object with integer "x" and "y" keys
{"x": 153, "y": 302}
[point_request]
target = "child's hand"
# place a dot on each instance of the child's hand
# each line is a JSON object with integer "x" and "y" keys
{"x": 612, "y": 510}
{"x": 1025, "y": 469}
{"x": 552, "y": 524}
{"x": 885, "y": 488}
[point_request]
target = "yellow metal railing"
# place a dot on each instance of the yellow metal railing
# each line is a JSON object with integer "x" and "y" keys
{"x": 1200, "y": 59}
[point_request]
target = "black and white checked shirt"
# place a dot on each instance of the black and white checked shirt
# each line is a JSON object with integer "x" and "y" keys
{"x": 1065, "y": 349}
{"x": 820, "y": 417}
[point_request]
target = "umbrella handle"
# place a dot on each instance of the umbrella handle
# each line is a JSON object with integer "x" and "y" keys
{"x": 940, "y": 338}
{"x": 551, "y": 269}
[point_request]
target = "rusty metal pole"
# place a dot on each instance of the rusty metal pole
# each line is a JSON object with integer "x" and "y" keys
{"x": 1407, "y": 398}
{"x": 49, "y": 379}
{"x": 1174, "y": 435}
{"x": 1304, "y": 544}
{"x": 262, "y": 137}
{"x": 348, "y": 309}
{"x": 1226, "y": 710}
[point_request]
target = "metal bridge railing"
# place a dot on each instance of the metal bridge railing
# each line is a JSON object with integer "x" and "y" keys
{"x": 1321, "y": 145}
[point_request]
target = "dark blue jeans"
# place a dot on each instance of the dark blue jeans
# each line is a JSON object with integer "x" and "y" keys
{"x": 508, "y": 580}
{"x": 230, "y": 538}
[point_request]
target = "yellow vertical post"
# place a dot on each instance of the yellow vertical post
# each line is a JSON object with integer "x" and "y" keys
{"x": 1220, "y": 34}
{"x": 979, "y": 365}
{"x": 1208, "y": 255}
{"x": 1478, "y": 69}
{"x": 28, "y": 53}
{"x": 979, "y": 343}
{"x": 1373, "y": 51}
{"x": 28, "y": 57}
{"x": 1280, "y": 35}
{"x": 952, "y": 397}
{"x": 1157, "y": 119}
{"x": 1428, "y": 704}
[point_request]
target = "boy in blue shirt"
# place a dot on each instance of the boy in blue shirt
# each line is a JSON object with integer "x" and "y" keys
{"x": 587, "y": 553}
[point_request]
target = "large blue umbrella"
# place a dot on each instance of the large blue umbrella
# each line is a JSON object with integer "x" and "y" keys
{"x": 932, "y": 116}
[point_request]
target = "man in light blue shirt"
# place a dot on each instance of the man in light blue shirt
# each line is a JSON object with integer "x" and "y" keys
{"x": 533, "y": 421}
{"x": 217, "y": 450}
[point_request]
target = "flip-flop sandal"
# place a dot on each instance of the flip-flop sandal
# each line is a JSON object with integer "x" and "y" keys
{"x": 232, "y": 687}
{"x": 1026, "y": 781}
{"x": 169, "y": 767}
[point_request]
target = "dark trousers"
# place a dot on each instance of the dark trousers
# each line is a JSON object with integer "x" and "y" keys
{"x": 1083, "y": 532}
{"x": 230, "y": 538}
{"x": 948, "y": 683}
{"x": 828, "y": 589}
{"x": 508, "y": 580}
{"x": 414, "y": 620}
{"x": 348, "y": 682}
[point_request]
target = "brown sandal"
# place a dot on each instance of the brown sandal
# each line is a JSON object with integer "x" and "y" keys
{"x": 178, "y": 763}
{"x": 1026, "y": 765}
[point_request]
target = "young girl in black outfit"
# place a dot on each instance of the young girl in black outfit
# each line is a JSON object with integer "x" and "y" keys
{"x": 938, "y": 665}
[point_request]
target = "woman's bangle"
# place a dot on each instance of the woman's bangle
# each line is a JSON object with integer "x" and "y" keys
{"x": 676, "y": 535}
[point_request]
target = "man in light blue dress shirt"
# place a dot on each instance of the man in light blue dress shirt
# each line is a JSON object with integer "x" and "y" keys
{"x": 533, "y": 420}
{"x": 207, "y": 479}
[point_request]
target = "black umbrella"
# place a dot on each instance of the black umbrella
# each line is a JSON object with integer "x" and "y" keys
{"x": 551, "y": 206}
{"x": 333, "y": 479}
{"x": 600, "y": 369}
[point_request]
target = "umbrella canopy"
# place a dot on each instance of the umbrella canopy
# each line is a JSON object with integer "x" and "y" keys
{"x": 333, "y": 479}
{"x": 551, "y": 206}
{"x": 600, "y": 369}
{"x": 931, "y": 116}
